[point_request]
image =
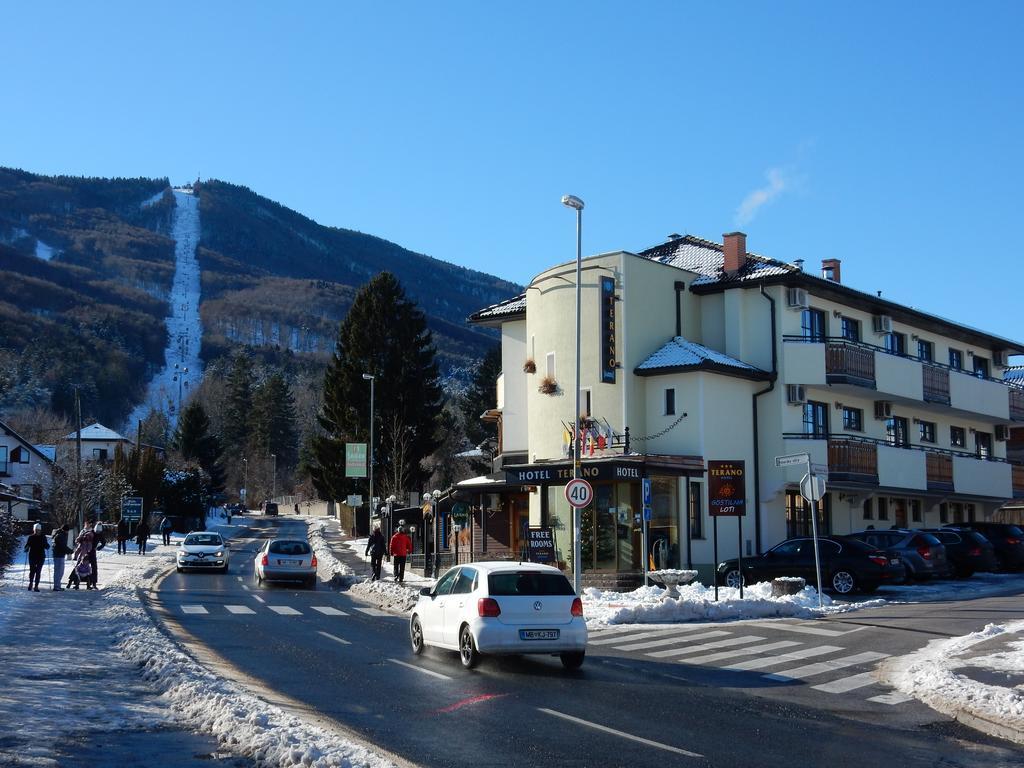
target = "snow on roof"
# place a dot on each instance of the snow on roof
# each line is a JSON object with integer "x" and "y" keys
{"x": 97, "y": 432}
{"x": 513, "y": 306}
{"x": 49, "y": 451}
{"x": 705, "y": 258}
{"x": 680, "y": 354}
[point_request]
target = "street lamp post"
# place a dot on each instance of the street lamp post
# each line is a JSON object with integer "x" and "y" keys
{"x": 245, "y": 483}
{"x": 576, "y": 204}
{"x": 432, "y": 499}
{"x": 372, "y": 379}
{"x": 391, "y": 515}
{"x": 273, "y": 486}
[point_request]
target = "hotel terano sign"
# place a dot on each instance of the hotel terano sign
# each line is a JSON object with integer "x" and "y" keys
{"x": 607, "y": 315}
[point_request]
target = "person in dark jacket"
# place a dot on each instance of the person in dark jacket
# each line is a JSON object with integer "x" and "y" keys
{"x": 142, "y": 535}
{"x": 400, "y": 548}
{"x": 375, "y": 548}
{"x": 60, "y": 551}
{"x": 36, "y": 546}
{"x": 98, "y": 542}
{"x": 122, "y": 537}
{"x": 166, "y": 527}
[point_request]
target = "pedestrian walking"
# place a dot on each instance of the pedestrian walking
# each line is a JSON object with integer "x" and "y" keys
{"x": 36, "y": 546}
{"x": 376, "y": 546}
{"x": 82, "y": 552}
{"x": 122, "y": 536}
{"x": 142, "y": 535}
{"x": 60, "y": 551}
{"x": 98, "y": 542}
{"x": 166, "y": 526}
{"x": 400, "y": 548}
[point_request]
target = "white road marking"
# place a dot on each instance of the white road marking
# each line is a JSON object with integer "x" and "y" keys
{"x": 238, "y": 577}
{"x": 193, "y": 609}
{"x": 811, "y": 670}
{"x": 622, "y": 734}
{"x": 844, "y": 684}
{"x": 328, "y": 611}
{"x": 420, "y": 669}
{"x": 239, "y": 609}
{"x": 245, "y": 587}
{"x": 257, "y": 597}
{"x": 749, "y": 651}
{"x": 620, "y": 638}
{"x": 335, "y": 638}
{"x": 284, "y": 610}
{"x": 373, "y": 611}
{"x": 675, "y": 639}
{"x": 804, "y": 653}
{"x": 805, "y": 630}
{"x": 705, "y": 646}
{"x": 894, "y": 697}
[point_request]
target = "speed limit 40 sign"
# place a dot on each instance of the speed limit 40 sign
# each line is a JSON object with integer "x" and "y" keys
{"x": 579, "y": 493}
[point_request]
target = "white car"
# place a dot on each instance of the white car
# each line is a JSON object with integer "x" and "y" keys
{"x": 501, "y": 608}
{"x": 286, "y": 560}
{"x": 206, "y": 550}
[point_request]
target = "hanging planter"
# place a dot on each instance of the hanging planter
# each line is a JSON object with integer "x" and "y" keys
{"x": 548, "y": 386}
{"x": 529, "y": 366}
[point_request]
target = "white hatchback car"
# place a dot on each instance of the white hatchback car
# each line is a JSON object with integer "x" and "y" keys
{"x": 501, "y": 608}
{"x": 206, "y": 550}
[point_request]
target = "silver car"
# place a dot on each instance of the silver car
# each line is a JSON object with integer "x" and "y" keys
{"x": 206, "y": 550}
{"x": 286, "y": 560}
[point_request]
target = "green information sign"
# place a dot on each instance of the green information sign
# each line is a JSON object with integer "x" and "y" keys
{"x": 355, "y": 459}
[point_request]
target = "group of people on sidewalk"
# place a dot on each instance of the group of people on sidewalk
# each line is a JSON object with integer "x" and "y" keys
{"x": 400, "y": 547}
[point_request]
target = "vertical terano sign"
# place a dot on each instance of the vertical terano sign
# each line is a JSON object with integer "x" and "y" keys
{"x": 607, "y": 315}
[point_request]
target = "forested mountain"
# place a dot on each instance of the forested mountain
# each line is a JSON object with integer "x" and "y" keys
{"x": 87, "y": 271}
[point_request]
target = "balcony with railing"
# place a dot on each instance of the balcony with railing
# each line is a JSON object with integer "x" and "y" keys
{"x": 1016, "y": 404}
{"x": 1017, "y": 481}
{"x": 939, "y": 468}
{"x": 852, "y": 460}
{"x": 849, "y": 363}
{"x": 935, "y": 383}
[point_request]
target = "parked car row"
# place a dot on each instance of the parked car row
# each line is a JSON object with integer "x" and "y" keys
{"x": 864, "y": 560}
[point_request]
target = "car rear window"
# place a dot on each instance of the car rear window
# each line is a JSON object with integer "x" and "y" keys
{"x": 289, "y": 548}
{"x": 924, "y": 538}
{"x": 529, "y": 583}
{"x": 1013, "y": 530}
{"x": 201, "y": 539}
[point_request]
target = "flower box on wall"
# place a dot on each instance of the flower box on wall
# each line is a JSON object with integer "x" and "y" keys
{"x": 529, "y": 366}
{"x": 548, "y": 386}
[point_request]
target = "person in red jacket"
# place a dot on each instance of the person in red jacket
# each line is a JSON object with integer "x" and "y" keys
{"x": 400, "y": 548}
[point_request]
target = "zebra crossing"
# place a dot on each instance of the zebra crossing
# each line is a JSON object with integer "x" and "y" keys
{"x": 810, "y": 654}
{"x": 280, "y": 610}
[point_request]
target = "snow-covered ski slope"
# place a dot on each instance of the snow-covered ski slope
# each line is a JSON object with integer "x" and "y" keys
{"x": 184, "y": 329}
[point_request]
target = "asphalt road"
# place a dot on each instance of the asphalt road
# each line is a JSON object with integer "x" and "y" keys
{"x": 665, "y": 698}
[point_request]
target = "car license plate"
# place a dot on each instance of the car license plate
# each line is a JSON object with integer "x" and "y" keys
{"x": 289, "y": 562}
{"x": 894, "y": 561}
{"x": 538, "y": 634}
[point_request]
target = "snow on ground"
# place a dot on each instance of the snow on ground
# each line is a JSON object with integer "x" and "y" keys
{"x": 940, "y": 676}
{"x": 152, "y": 200}
{"x": 184, "y": 330}
{"x": 978, "y": 585}
{"x": 44, "y": 251}
{"x": 341, "y": 574}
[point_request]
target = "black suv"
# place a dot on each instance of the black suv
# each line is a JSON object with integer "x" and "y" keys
{"x": 922, "y": 554}
{"x": 270, "y": 508}
{"x": 1008, "y": 539}
{"x": 967, "y": 551}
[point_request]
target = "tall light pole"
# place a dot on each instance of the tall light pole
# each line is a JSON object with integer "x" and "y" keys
{"x": 576, "y": 204}
{"x": 372, "y": 379}
{"x": 273, "y": 486}
{"x": 245, "y": 483}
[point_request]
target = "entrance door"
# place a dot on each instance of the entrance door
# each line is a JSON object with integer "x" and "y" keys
{"x": 599, "y": 529}
{"x": 899, "y": 512}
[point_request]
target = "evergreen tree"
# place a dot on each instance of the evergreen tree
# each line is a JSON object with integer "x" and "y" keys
{"x": 193, "y": 439}
{"x": 481, "y": 396}
{"x": 273, "y": 421}
{"x": 385, "y": 335}
{"x": 238, "y": 406}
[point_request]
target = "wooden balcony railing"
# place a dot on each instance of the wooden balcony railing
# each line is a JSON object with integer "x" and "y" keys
{"x": 936, "y": 384}
{"x": 1016, "y": 404}
{"x": 853, "y": 461}
{"x": 849, "y": 364}
{"x": 939, "y": 468}
{"x": 1018, "y": 482}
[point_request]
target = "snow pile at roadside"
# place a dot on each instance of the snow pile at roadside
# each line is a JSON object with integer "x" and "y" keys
{"x": 389, "y": 595}
{"x": 341, "y": 574}
{"x": 930, "y": 675}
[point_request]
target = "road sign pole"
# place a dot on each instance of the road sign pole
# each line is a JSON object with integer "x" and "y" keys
{"x": 644, "y": 529}
{"x": 814, "y": 525}
{"x": 714, "y": 528}
{"x": 739, "y": 523}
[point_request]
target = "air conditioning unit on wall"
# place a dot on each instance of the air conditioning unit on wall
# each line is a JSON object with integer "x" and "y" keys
{"x": 1002, "y": 432}
{"x": 795, "y": 394}
{"x": 999, "y": 358}
{"x": 882, "y": 323}
{"x": 883, "y": 409}
{"x": 796, "y": 298}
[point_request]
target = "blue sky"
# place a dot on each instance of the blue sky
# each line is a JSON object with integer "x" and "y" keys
{"x": 884, "y": 134}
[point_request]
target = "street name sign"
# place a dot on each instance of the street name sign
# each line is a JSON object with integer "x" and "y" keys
{"x": 792, "y": 459}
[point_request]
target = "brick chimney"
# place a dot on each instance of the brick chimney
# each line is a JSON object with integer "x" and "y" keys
{"x": 830, "y": 270}
{"x": 734, "y": 248}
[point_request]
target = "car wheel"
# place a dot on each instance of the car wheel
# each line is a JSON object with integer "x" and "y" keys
{"x": 259, "y": 579}
{"x": 572, "y": 659}
{"x": 468, "y": 653}
{"x": 843, "y": 582}
{"x": 416, "y": 635}
{"x": 732, "y": 578}
{"x": 180, "y": 570}
{"x": 224, "y": 569}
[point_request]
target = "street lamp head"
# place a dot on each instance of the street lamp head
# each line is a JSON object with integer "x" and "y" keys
{"x": 369, "y": 376}
{"x": 392, "y": 499}
{"x": 427, "y": 497}
{"x": 572, "y": 201}
{"x": 437, "y": 495}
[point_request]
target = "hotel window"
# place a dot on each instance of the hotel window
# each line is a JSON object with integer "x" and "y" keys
{"x": 943, "y": 514}
{"x": 915, "y": 510}
{"x": 812, "y": 324}
{"x": 970, "y": 512}
{"x": 896, "y": 343}
{"x": 19, "y": 455}
{"x": 958, "y": 512}
{"x": 956, "y": 359}
{"x": 983, "y": 444}
{"x": 853, "y": 419}
{"x": 897, "y": 432}
{"x": 957, "y": 437}
{"x": 816, "y": 419}
{"x": 585, "y": 403}
{"x": 925, "y": 350}
{"x": 927, "y": 431}
{"x": 798, "y": 515}
{"x": 549, "y": 364}
{"x": 850, "y": 329}
{"x": 868, "y": 512}
{"x": 980, "y": 367}
{"x": 883, "y": 508}
{"x": 696, "y": 512}
{"x": 670, "y": 402}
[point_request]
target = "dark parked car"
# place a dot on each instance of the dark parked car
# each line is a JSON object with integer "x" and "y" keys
{"x": 1008, "y": 540}
{"x": 846, "y": 565}
{"x": 270, "y": 508}
{"x": 922, "y": 554}
{"x": 967, "y": 551}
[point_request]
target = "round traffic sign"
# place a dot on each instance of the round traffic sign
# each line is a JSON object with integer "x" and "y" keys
{"x": 579, "y": 493}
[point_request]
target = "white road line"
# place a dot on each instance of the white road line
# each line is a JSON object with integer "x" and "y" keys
{"x": 193, "y": 609}
{"x": 245, "y": 587}
{"x": 750, "y": 651}
{"x": 335, "y": 638}
{"x": 328, "y": 611}
{"x": 705, "y": 646}
{"x": 811, "y": 670}
{"x": 239, "y": 609}
{"x": 642, "y": 635}
{"x": 238, "y": 577}
{"x": 669, "y": 641}
{"x": 373, "y": 611}
{"x": 257, "y": 597}
{"x": 621, "y": 734}
{"x": 420, "y": 669}
{"x": 894, "y": 697}
{"x": 284, "y": 610}
{"x": 851, "y": 683}
{"x": 804, "y": 653}
{"x": 607, "y": 631}
{"x": 805, "y": 630}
